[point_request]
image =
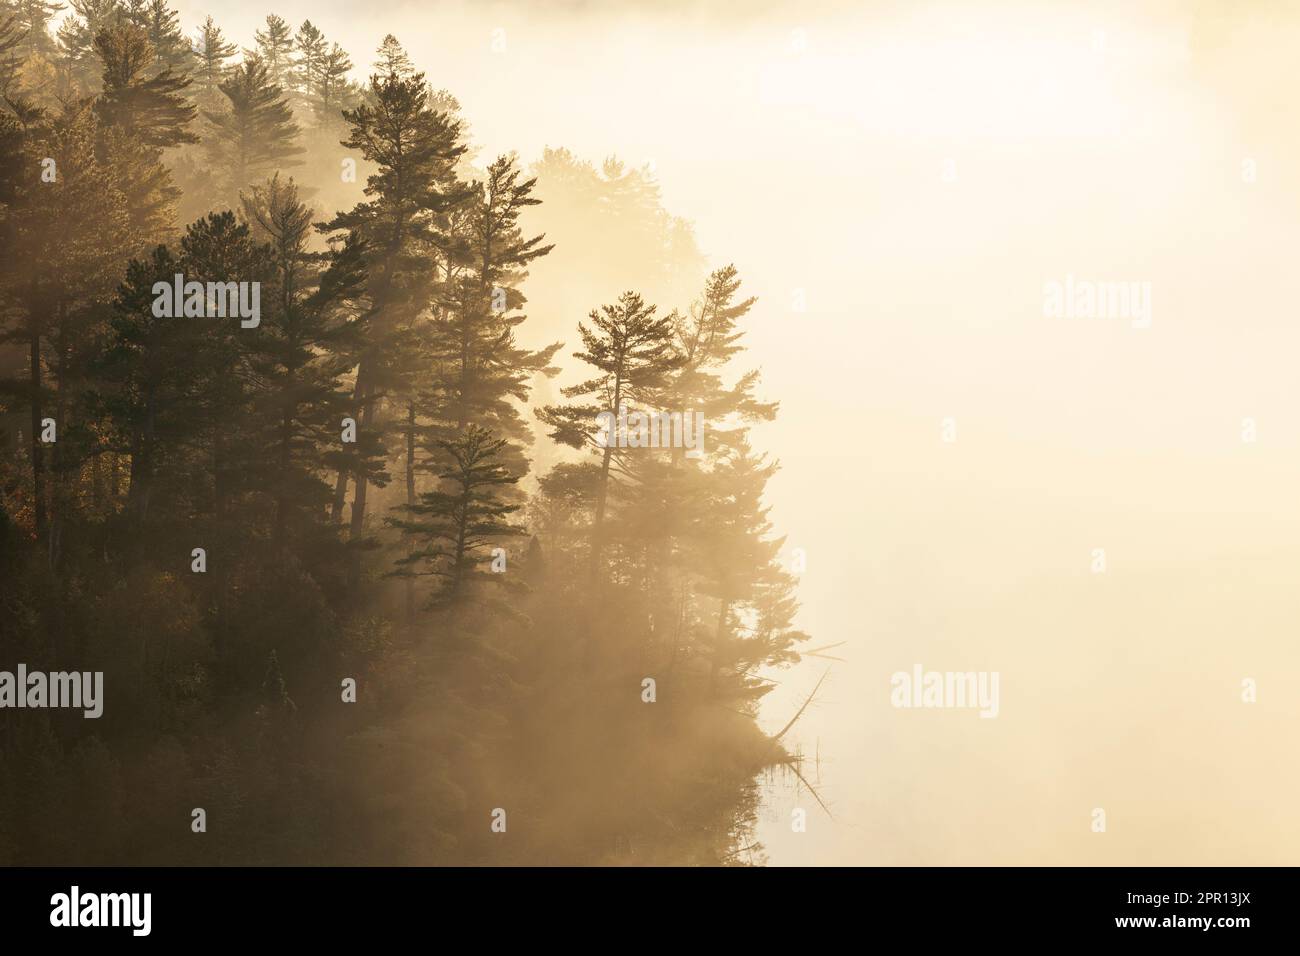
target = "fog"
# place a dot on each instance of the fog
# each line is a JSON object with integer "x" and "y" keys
{"x": 897, "y": 183}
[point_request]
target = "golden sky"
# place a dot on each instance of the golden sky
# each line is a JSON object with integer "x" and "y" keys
{"x": 916, "y": 173}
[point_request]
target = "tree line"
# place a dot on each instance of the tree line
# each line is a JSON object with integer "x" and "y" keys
{"x": 234, "y": 523}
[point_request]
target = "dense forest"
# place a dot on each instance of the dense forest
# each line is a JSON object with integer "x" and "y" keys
{"x": 369, "y": 574}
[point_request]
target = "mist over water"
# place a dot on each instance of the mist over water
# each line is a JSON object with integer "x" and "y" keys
{"x": 915, "y": 174}
{"x": 899, "y": 184}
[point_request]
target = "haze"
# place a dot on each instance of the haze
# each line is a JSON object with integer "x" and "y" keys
{"x": 914, "y": 174}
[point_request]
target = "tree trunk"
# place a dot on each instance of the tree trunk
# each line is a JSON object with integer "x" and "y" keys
{"x": 602, "y": 492}
{"x": 340, "y": 495}
{"x": 282, "y": 496}
{"x": 341, "y": 482}
{"x": 358, "y": 523}
{"x": 462, "y": 532}
{"x": 38, "y": 457}
{"x": 719, "y": 640}
{"x": 410, "y": 500}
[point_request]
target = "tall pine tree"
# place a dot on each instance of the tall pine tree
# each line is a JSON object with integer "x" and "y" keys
{"x": 415, "y": 149}
{"x": 456, "y": 525}
{"x": 275, "y": 47}
{"x": 633, "y": 354}
{"x": 211, "y": 51}
{"x": 255, "y": 135}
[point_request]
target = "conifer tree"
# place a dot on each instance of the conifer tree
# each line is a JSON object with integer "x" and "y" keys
{"x": 69, "y": 264}
{"x": 151, "y": 107}
{"x": 312, "y": 47}
{"x": 175, "y": 385}
{"x": 275, "y": 47}
{"x": 392, "y": 58}
{"x": 218, "y": 248}
{"x": 481, "y": 371}
{"x": 255, "y": 135}
{"x": 487, "y": 368}
{"x": 415, "y": 149}
{"x": 331, "y": 82}
{"x": 173, "y": 52}
{"x": 11, "y": 37}
{"x": 211, "y": 51}
{"x": 706, "y": 339}
{"x": 739, "y": 568}
{"x": 633, "y": 353}
{"x": 145, "y": 378}
{"x": 302, "y": 352}
{"x": 32, "y": 19}
{"x": 675, "y": 492}
{"x": 141, "y": 113}
{"x": 77, "y": 37}
{"x": 179, "y": 431}
{"x": 458, "y": 524}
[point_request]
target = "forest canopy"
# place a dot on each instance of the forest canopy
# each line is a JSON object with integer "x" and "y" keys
{"x": 370, "y": 579}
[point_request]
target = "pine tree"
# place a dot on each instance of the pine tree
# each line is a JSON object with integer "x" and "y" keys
{"x": 475, "y": 372}
{"x": 141, "y": 113}
{"x": 211, "y": 50}
{"x": 11, "y": 38}
{"x": 173, "y": 52}
{"x": 175, "y": 386}
{"x": 312, "y": 48}
{"x": 392, "y": 58}
{"x": 675, "y": 493}
{"x": 70, "y": 228}
{"x": 33, "y": 19}
{"x": 706, "y": 340}
{"x": 739, "y": 569}
{"x": 150, "y": 108}
{"x": 218, "y": 248}
{"x": 485, "y": 368}
{"x": 303, "y": 350}
{"x": 275, "y": 47}
{"x": 480, "y": 372}
{"x": 411, "y": 321}
{"x": 634, "y": 356}
{"x": 415, "y": 149}
{"x": 331, "y": 82}
{"x": 145, "y": 378}
{"x": 77, "y": 37}
{"x": 255, "y": 135}
{"x": 456, "y": 525}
